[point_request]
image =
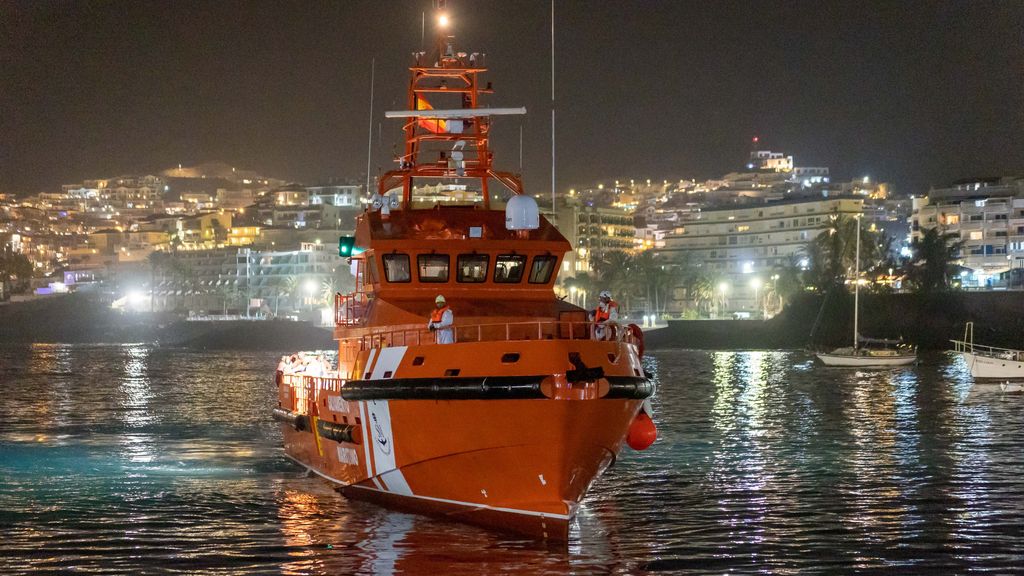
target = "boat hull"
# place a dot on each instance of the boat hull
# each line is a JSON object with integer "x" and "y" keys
{"x": 866, "y": 361}
{"x": 983, "y": 366}
{"x": 514, "y": 465}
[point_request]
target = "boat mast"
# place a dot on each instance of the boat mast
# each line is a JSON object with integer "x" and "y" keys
{"x": 856, "y": 284}
{"x": 447, "y": 142}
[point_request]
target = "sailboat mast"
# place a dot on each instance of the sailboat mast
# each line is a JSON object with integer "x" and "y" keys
{"x": 856, "y": 284}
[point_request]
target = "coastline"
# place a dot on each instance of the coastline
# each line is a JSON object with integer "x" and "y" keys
{"x": 928, "y": 320}
{"x": 86, "y": 319}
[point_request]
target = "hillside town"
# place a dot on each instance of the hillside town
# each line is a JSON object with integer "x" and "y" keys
{"x": 213, "y": 241}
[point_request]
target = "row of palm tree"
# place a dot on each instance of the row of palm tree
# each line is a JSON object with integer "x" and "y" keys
{"x": 825, "y": 264}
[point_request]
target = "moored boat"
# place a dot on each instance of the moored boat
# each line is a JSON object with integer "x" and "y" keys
{"x": 989, "y": 361}
{"x": 867, "y": 352}
{"x": 505, "y": 418}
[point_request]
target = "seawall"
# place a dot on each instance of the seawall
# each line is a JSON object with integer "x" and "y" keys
{"x": 929, "y": 321}
{"x": 86, "y": 318}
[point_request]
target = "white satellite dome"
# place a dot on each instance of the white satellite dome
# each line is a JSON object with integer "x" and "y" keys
{"x": 521, "y": 213}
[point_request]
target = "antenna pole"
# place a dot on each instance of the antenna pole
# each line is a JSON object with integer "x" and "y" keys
{"x": 553, "y": 205}
{"x": 369, "y": 136}
{"x": 856, "y": 284}
{"x": 520, "y": 148}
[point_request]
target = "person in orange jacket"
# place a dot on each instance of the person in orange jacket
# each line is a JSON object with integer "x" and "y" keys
{"x": 441, "y": 321}
{"x": 606, "y": 316}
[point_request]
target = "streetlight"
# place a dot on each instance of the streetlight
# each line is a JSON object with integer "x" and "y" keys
{"x": 755, "y": 283}
{"x": 311, "y": 289}
{"x": 723, "y": 287}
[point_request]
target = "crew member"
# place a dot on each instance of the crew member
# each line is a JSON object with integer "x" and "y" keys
{"x": 606, "y": 316}
{"x": 441, "y": 321}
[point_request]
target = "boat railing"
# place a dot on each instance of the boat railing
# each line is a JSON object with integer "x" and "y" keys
{"x": 308, "y": 388}
{"x": 969, "y": 347}
{"x": 502, "y": 332}
{"x": 349, "y": 309}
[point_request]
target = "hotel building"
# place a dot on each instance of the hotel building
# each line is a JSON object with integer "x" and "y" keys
{"x": 741, "y": 246}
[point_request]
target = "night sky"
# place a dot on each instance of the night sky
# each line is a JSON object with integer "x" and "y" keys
{"x": 916, "y": 93}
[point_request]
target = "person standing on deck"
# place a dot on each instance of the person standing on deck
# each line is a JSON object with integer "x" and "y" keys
{"x": 441, "y": 321}
{"x": 606, "y": 316}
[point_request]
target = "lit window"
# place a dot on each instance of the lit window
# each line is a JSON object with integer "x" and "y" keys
{"x": 472, "y": 268}
{"x": 508, "y": 268}
{"x": 543, "y": 266}
{"x": 433, "y": 267}
{"x": 396, "y": 267}
{"x": 976, "y": 235}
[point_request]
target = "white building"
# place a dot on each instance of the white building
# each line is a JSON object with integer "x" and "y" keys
{"x": 987, "y": 215}
{"x": 741, "y": 247}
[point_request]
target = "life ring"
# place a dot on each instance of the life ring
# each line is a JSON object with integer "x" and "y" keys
{"x": 638, "y": 334}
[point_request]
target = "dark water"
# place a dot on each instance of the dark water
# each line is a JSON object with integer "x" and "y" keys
{"x": 135, "y": 459}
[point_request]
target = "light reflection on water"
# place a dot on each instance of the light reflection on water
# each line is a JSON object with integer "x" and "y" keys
{"x": 126, "y": 458}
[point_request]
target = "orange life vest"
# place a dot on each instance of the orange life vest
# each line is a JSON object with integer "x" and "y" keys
{"x": 603, "y": 315}
{"x": 438, "y": 314}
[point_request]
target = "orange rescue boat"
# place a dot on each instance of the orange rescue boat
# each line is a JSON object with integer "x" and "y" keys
{"x": 508, "y": 425}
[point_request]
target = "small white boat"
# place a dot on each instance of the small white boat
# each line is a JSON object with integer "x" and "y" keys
{"x": 868, "y": 352}
{"x": 989, "y": 361}
{"x": 864, "y": 357}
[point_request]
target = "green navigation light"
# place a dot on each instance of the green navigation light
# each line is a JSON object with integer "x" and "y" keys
{"x": 346, "y": 246}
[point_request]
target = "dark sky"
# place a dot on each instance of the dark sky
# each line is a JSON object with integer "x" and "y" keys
{"x": 916, "y": 93}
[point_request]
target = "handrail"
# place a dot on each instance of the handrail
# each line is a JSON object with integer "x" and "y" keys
{"x": 499, "y": 332}
{"x": 972, "y": 348}
{"x": 350, "y": 308}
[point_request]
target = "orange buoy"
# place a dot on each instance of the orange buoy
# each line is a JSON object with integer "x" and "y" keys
{"x": 642, "y": 432}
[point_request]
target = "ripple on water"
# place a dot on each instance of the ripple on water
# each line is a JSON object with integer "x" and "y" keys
{"x": 137, "y": 459}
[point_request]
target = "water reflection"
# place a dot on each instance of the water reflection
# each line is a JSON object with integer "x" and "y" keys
{"x": 116, "y": 459}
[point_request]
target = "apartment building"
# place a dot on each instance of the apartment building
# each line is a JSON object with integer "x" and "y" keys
{"x": 742, "y": 246}
{"x": 987, "y": 214}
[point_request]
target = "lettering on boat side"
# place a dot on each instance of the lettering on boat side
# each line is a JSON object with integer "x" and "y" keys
{"x": 336, "y": 404}
{"x": 347, "y": 456}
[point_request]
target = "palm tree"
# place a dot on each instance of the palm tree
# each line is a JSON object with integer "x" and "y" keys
{"x": 613, "y": 271}
{"x": 934, "y": 260}
{"x": 329, "y": 286}
{"x": 288, "y": 288}
{"x": 701, "y": 288}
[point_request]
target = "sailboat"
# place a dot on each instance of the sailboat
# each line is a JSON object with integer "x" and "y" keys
{"x": 868, "y": 352}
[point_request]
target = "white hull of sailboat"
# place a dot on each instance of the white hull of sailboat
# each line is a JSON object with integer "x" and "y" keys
{"x": 866, "y": 360}
{"x": 992, "y": 366}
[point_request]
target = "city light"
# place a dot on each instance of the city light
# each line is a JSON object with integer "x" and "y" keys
{"x": 755, "y": 283}
{"x": 442, "y": 20}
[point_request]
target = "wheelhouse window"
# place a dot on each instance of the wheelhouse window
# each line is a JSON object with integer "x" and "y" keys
{"x": 543, "y": 266}
{"x": 396, "y": 267}
{"x": 433, "y": 267}
{"x": 508, "y": 268}
{"x": 472, "y": 268}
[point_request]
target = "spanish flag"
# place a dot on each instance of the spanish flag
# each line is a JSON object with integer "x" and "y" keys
{"x": 434, "y": 125}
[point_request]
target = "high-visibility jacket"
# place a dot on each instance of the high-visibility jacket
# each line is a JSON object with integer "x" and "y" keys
{"x": 605, "y": 312}
{"x": 442, "y": 319}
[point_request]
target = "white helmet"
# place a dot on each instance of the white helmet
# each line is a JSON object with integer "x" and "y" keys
{"x": 605, "y": 294}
